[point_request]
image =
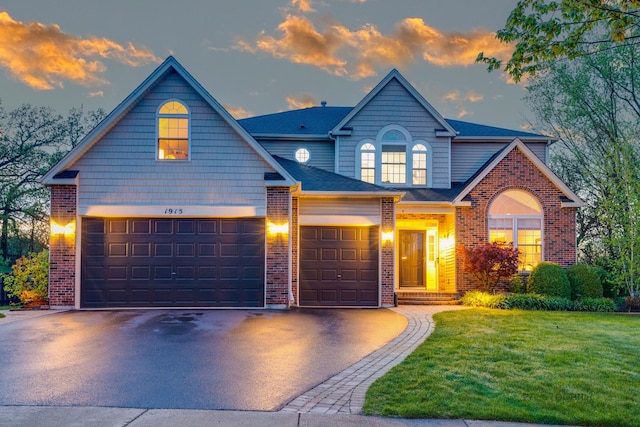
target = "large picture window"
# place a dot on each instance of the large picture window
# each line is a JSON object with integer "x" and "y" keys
{"x": 515, "y": 217}
{"x": 173, "y": 131}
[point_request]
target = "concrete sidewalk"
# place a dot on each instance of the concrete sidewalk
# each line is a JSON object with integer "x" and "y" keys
{"x": 38, "y": 416}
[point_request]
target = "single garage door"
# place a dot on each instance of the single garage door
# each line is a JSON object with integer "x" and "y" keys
{"x": 338, "y": 266}
{"x": 172, "y": 262}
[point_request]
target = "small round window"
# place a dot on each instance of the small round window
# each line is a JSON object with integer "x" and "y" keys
{"x": 302, "y": 155}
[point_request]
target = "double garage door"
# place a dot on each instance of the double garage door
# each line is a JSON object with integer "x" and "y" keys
{"x": 209, "y": 262}
{"x": 172, "y": 262}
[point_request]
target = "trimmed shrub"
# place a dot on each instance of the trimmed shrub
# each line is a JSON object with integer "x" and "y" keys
{"x": 482, "y": 299}
{"x": 548, "y": 278}
{"x": 585, "y": 282}
{"x": 595, "y": 304}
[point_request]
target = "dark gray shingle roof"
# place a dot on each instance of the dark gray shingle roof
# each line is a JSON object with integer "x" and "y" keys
{"x": 308, "y": 121}
{"x": 315, "y": 179}
{"x": 320, "y": 120}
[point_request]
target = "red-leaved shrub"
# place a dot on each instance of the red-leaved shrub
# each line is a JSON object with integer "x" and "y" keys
{"x": 488, "y": 263}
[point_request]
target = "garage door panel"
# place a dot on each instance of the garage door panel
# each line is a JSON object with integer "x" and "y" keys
{"x": 118, "y": 227}
{"x": 172, "y": 262}
{"x": 338, "y": 266}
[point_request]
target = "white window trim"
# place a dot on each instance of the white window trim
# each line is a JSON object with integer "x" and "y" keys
{"x": 378, "y": 143}
{"x": 189, "y": 141}
{"x": 514, "y": 227}
{"x": 295, "y": 152}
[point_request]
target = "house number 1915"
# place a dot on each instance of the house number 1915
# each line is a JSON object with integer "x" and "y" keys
{"x": 173, "y": 211}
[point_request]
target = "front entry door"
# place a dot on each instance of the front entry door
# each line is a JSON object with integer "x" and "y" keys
{"x": 418, "y": 259}
{"x": 412, "y": 259}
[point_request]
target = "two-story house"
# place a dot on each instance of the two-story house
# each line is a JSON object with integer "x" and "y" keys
{"x": 171, "y": 202}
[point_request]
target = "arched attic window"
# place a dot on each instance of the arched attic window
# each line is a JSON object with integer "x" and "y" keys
{"x": 173, "y": 131}
{"x": 515, "y": 216}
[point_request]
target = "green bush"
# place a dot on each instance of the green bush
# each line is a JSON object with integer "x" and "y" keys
{"x": 517, "y": 283}
{"x": 557, "y": 304}
{"x": 606, "y": 279}
{"x": 595, "y": 304}
{"x": 585, "y": 282}
{"x": 482, "y": 299}
{"x": 524, "y": 302}
{"x": 548, "y": 278}
{"x": 29, "y": 278}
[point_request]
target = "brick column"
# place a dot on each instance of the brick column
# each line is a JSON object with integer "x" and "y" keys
{"x": 278, "y": 262}
{"x": 295, "y": 244}
{"x": 62, "y": 247}
{"x": 387, "y": 253}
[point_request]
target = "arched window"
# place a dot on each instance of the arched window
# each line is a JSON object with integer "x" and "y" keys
{"x": 173, "y": 131}
{"x": 302, "y": 155}
{"x": 515, "y": 216}
{"x": 419, "y": 154}
{"x": 368, "y": 163}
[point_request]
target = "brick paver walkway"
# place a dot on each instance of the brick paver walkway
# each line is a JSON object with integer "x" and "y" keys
{"x": 344, "y": 392}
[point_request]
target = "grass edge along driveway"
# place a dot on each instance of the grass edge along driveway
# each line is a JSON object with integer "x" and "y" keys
{"x": 526, "y": 366}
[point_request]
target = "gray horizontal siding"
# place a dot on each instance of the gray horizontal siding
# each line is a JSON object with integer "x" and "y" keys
{"x": 394, "y": 105}
{"x": 121, "y": 169}
{"x": 322, "y": 153}
{"x": 468, "y": 157}
{"x": 334, "y": 209}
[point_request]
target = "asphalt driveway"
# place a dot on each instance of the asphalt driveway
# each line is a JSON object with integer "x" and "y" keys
{"x": 199, "y": 359}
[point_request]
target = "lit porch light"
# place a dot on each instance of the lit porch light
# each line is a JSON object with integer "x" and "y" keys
{"x": 63, "y": 230}
{"x": 387, "y": 236}
{"x": 278, "y": 229}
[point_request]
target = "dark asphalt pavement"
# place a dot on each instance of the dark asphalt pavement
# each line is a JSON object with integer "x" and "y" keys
{"x": 184, "y": 359}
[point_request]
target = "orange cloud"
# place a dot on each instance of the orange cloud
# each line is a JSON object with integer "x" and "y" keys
{"x": 238, "y": 112}
{"x": 472, "y": 96}
{"x": 356, "y": 53}
{"x": 302, "y": 44}
{"x": 304, "y": 100}
{"x": 43, "y": 57}
{"x": 451, "y": 96}
{"x": 303, "y": 5}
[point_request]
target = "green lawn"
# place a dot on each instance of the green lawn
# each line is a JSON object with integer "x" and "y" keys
{"x": 511, "y": 365}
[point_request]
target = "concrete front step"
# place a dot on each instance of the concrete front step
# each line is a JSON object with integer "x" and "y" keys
{"x": 413, "y": 301}
{"x": 423, "y": 298}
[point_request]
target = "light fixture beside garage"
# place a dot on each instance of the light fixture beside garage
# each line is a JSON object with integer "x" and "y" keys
{"x": 278, "y": 229}
{"x": 387, "y": 236}
{"x": 63, "y": 230}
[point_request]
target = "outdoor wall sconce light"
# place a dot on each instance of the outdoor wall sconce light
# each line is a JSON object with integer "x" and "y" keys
{"x": 387, "y": 236}
{"x": 63, "y": 230}
{"x": 278, "y": 229}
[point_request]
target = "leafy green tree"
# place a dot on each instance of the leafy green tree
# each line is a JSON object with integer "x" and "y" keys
{"x": 591, "y": 106}
{"x": 29, "y": 278}
{"x": 547, "y": 30}
{"x": 32, "y": 139}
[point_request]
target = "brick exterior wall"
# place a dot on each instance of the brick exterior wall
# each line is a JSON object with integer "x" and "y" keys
{"x": 278, "y": 263}
{"x": 295, "y": 247}
{"x": 516, "y": 171}
{"x": 387, "y": 253}
{"x": 62, "y": 248}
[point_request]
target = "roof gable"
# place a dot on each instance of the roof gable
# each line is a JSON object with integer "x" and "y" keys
{"x": 395, "y": 75}
{"x": 574, "y": 200}
{"x": 168, "y": 66}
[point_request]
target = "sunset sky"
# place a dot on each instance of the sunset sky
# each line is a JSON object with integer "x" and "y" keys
{"x": 258, "y": 57}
